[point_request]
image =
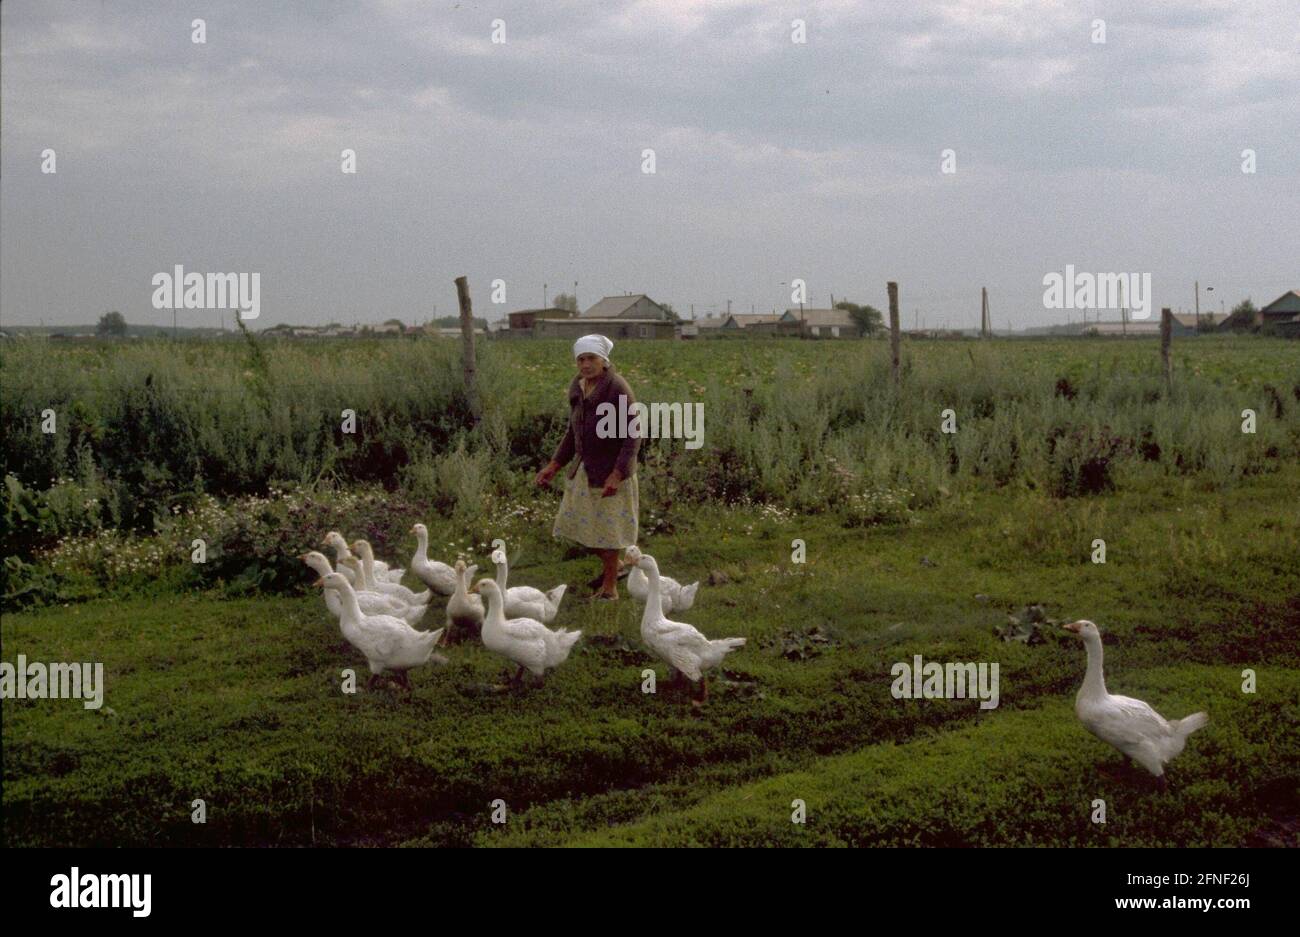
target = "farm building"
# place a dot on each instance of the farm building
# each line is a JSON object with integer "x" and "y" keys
{"x": 522, "y": 321}
{"x": 1140, "y": 327}
{"x": 1283, "y": 310}
{"x": 454, "y": 331}
{"x": 611, "y": 327}
{"x": 810, "y": 323}
{"x": 1282, "y": 315}
{"x": 631, "y": 306}
{"x": 738, "y": 320}
{"x": 1184, "y": 324}
{"x": 699, "y": 328}
{"x": 821, "y": 323}
{"x": 632, "y": 316}
{"x": 520, "y": 324}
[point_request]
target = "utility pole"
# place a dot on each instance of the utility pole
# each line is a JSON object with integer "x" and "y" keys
{"x": 469, "y": 359}
{"x": 892, "y": 288}
{"x": 1198, "y": 304}
{"x": 543, "y": 295}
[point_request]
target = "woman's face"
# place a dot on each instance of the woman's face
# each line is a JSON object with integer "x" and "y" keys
{"x": 590, "y": 366}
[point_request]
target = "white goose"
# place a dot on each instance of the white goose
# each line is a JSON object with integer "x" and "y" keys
{"x": 1130, "y": 725}
{"x": 464, "y": 611}
{"x": 439, "y": 577}
{"x": 525, "y": 601}
{"x": 367, "y": 555}
{"x": 341, "y": 552}
{"x": 388, "y": 643}
{"x": 676, "y": 597}
{"x": 678, "y": 644}
{"x": 372, "y": 603}
{"x": 527, "y": 642}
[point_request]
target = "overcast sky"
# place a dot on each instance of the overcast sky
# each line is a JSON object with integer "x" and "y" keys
{"x": 522, "y": 160}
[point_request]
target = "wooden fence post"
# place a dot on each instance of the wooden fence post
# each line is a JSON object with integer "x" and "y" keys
{"x": 1166, "y": 337}
{"x": 893, "y": 326}
{"x": 467, "y": 347}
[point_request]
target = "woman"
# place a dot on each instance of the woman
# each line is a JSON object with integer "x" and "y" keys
{"x": 601, "y": 500}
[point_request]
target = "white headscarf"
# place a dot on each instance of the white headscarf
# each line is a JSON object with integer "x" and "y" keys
{"x": 593, "y": 345}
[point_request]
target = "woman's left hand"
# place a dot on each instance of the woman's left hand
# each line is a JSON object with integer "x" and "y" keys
{"x": 611, "y": 484}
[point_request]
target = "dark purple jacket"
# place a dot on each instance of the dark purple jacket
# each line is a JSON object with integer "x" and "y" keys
{"x": 600, "y": 456}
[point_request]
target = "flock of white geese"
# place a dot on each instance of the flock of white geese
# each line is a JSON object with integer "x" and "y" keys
{"x": 376, "y": 614}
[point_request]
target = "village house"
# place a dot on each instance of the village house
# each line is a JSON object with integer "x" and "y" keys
{"x": 1280, "y": 317}
{"x": 809, "y": 323}
{"x": 738, "y": 320}
{"x": 633, "y": 316}
{"x": 821, "y": 323}
{"x": 520, "y": 324}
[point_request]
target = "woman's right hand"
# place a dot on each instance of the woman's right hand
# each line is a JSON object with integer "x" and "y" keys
{"x": 545, "y": 475}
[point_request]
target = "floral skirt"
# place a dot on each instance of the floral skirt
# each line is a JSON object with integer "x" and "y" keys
{"x": 596, "y": 522}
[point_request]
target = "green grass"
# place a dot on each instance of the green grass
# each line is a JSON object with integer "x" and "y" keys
{"x": 237, "y": 701}
{"x": 140, "y": 424}
{"x": 1026, "y": 776}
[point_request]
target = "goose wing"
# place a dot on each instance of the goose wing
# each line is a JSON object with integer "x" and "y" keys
{"x": 382, "y": 636}
{"x": 682, "y": 645}
{"x": 525, "y": 629}
{"x": 1127, "y": 721}
{"x": 526, "y": 594}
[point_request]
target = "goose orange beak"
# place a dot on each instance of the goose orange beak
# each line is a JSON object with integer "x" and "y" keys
{"x": 1072, "y": 626}
{"x": 318, "y": 582}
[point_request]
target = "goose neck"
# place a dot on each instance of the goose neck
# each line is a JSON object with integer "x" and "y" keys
{"x": 495, "y": 614}
{"x": 351, "y": 607}
{"x": 654, "y": 606}
{"x": 1094, "y": 682}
